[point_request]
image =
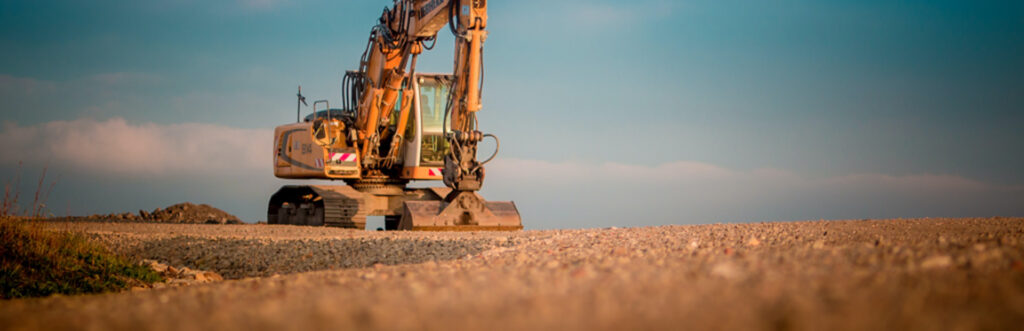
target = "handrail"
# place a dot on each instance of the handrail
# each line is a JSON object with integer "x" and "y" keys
{"x": 327, "y": 131}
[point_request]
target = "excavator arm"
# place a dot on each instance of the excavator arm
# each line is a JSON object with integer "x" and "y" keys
{"x": 401, "y": 35}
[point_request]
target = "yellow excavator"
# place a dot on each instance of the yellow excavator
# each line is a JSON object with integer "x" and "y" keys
{"x": 396, "y": 125}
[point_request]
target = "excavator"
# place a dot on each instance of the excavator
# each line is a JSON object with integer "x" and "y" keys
{"x": 396, "y": 125}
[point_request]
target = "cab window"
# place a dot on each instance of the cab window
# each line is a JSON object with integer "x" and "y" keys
{"x": 433, "y": 98}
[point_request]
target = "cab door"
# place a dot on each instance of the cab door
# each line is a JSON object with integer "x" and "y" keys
{"x": 426, "y": 149}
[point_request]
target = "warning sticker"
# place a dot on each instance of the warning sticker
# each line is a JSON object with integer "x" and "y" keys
{"x": 343, "y": 157}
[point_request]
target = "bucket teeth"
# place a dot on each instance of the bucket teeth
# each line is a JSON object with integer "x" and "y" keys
{"x": 460, "y": 211}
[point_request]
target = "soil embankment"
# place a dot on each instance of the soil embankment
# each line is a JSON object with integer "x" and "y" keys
{"x": 185, "y": 212}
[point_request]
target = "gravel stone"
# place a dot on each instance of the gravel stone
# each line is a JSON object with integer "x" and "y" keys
{"x": 902, "y": 274}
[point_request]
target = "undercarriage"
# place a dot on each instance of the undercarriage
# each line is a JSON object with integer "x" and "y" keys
{"x": 429, "y": 209}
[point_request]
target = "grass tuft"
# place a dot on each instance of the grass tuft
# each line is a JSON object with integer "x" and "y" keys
{"x": 37, "y": 262}
{"x": 9, "y": 206}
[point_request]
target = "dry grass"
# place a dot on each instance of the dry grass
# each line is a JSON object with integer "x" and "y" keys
{"x": 35, "y": 262}
{"x": 12, "y": 194}
{"x": 9, "y": 205}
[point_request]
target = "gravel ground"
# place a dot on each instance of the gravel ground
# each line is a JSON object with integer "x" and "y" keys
{"x": 889, "y": 274}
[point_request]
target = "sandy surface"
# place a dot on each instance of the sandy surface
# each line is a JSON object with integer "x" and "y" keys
{"x": 957, "y": 274}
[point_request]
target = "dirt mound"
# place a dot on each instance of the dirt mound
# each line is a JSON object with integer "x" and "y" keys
{"x": 185, "y": 212}
{"x": 189, "y": 213}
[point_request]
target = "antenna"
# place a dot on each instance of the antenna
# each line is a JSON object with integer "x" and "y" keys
{"x": 302, "y": 100}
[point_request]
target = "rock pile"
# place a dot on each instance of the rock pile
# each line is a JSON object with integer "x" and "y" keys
{"x": 189, "y": 213}
{"x": 185, "y": 212}
{"x": 179, "y": 276}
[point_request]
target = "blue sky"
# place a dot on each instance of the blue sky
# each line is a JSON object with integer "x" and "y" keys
{"x": 772, "y": 110}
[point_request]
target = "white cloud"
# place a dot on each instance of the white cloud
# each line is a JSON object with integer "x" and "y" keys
{"x": 698, "y": 172}
{"x": 116, "y": 146}
{"x": 574, "y": 170}
{"x": 575, "y": 194}
{"x": 549, "y": 194}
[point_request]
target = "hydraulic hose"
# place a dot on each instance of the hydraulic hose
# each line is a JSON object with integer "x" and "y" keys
{"x": 497, "y": 145}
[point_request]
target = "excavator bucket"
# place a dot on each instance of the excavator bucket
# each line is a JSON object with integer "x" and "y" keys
{"x": 460, "y": 211}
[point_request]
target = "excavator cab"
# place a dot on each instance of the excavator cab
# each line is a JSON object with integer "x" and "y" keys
{"x": 426, "y": 147}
